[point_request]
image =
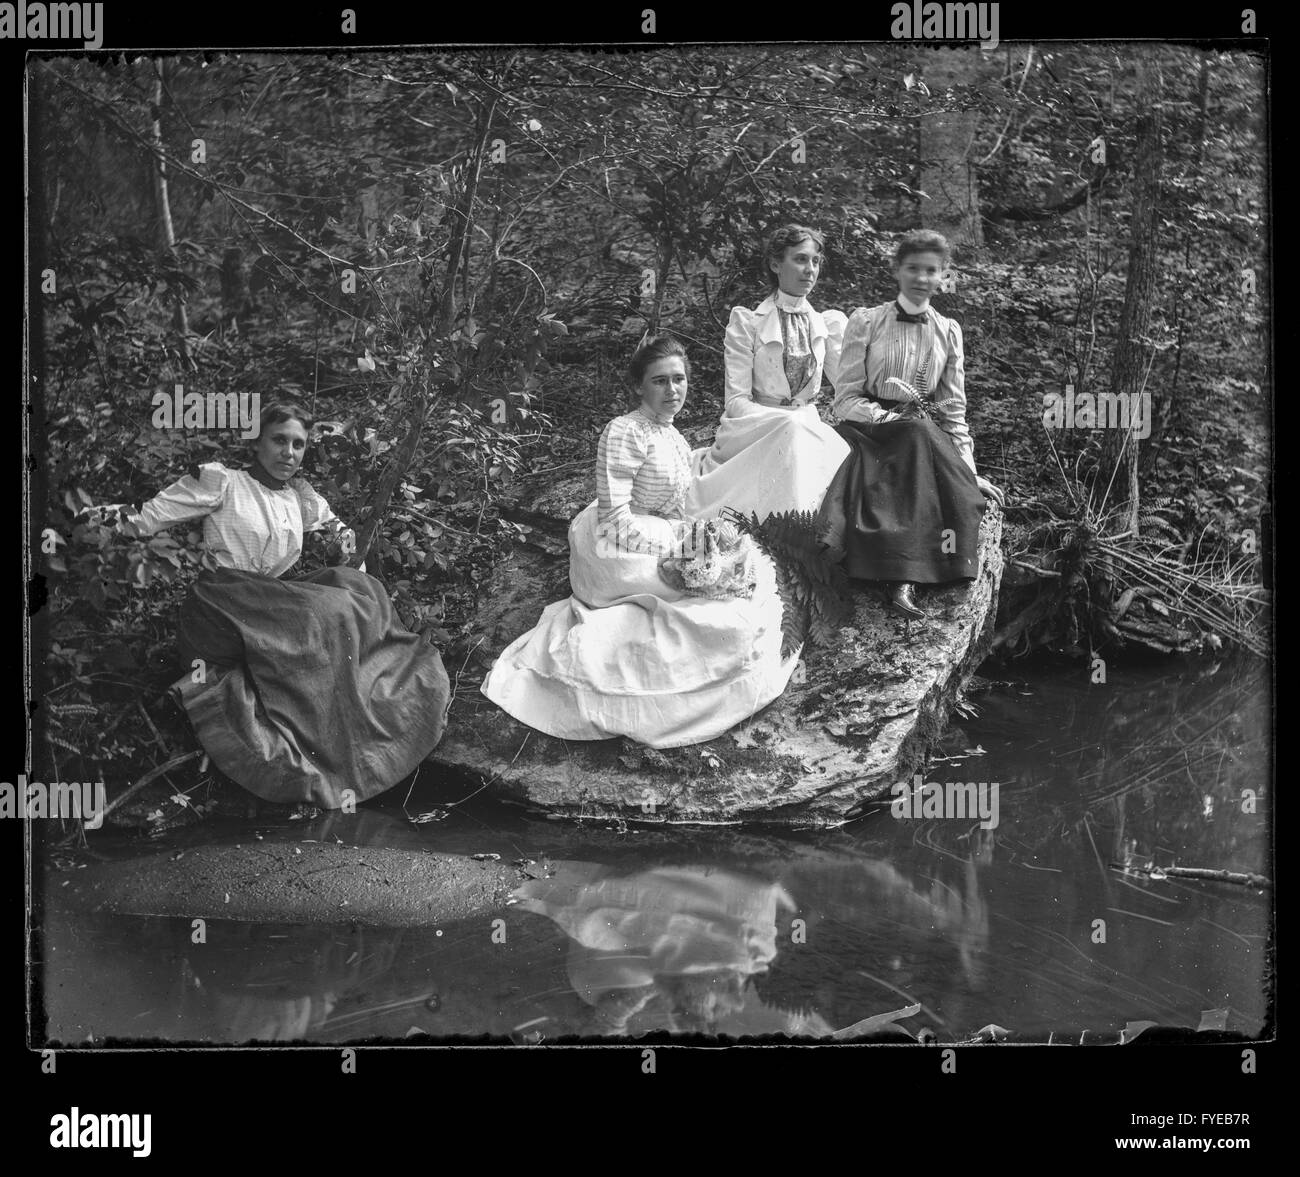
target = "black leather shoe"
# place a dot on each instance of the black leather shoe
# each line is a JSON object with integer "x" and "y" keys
{"x": 901, "y": 599}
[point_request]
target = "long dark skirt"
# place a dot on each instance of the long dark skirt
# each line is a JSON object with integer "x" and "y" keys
{"x": 308, "y": 687}
{"x": 903, "y": 505}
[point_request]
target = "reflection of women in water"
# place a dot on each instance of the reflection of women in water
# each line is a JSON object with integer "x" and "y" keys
{"x": 300, "y": 688}
{"x": 905, "y": 507}
{"x": 672, "y": 946}
{"x": 772, "y": 452}
{"x": 648, "y": 646}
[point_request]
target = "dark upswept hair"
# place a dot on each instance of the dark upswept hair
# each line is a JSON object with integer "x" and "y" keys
{"x": 922, "y": 241}
{"x": 285, "y": 410}
{"x": 779, "y": 240}
{"x": 652, "y": 349}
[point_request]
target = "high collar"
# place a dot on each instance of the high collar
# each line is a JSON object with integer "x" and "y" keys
{"x": 769, "y": 320}
{"x": 650, "y": 415}
{"x": 912, "y": 308}
{"x": 258, "y": 473}
{"x": 796, "y": 303}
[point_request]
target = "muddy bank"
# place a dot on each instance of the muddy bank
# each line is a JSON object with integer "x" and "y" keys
{"x": 293, "y": 883}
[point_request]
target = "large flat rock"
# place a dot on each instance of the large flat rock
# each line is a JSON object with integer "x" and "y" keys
{"x": 859, "y": 718}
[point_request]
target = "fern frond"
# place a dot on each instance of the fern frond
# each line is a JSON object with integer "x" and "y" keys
{"x": 814, "y": 591}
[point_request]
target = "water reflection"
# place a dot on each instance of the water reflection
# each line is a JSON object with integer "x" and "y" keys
{"x": 670, "y": 948}
{"x": 740, "y": 932}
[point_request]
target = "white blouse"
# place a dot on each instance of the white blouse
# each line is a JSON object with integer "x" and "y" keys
{"x": 929, "y": 356}
{"x": 246, "y": 525}
{"x": 756, "y": 347}
{"x": 643, "y": 466}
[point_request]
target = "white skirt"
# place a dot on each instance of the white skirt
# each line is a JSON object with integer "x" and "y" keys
{"x": 765, "y": 459}
{"x": 627, "y": 655}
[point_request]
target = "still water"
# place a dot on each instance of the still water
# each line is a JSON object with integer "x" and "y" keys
{"x": 1032, "y": 925}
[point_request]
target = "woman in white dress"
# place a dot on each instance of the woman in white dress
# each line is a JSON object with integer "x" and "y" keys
{"x": 772, "y": 451}
{"x": 632, "y": 652}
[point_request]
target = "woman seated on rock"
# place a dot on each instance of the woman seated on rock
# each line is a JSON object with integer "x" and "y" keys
{"x": 905, "y": 507}
{"x": 673, "y": 632}
{"x": 772, "y": 452}
{"x": 305, "y": 690}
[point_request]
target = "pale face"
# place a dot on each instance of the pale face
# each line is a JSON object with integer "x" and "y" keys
{"x": 797, "y": 272}
{"x": 919, "y": 275}
{"x": 663, "y": 387}
{"x": 281, "y": 447}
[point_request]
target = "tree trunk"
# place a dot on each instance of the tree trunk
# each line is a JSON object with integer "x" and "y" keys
{"x": 1133, "y": 351}
{"x": 464, "y": 218}
{"x": 397, "y": 467}
{"x": 163, "y": 212}
{"x": 664, "y": 263}
{"x": 456, "y": 255}
{"x": 1202, "y": 108}
{"x": 948, "y": 174}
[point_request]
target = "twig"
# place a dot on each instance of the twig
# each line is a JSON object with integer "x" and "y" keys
{"x": 1036, "y": 568}
{"x": 456, "y": 684}
{"x": 496, "y": 778}
{"x": 1029, "y": 61}
{"x": 1243, "y": 878}
{"x": 430, "y": 519}
{"x": 157, "y": 737}
{"x": 561, "y": 466}
{"x": 152, "y": 775}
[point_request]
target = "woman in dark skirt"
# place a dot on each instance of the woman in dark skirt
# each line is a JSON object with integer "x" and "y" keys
{"x": 304, "y": 690}
{"x": 905, "y": 506}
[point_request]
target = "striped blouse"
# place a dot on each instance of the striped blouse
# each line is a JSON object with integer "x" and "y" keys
{"x": 246, "y": 525}
{"x": 928, "y": 356}
{"x": 643, "y": 467}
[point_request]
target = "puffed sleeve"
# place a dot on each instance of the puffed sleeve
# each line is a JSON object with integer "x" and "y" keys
{"x": 950, "y": 397}
{"x": 317, "y": 515}
{"x": 738, "y": 348}
{"x": 850, "y": 404}
{"x": 187, "y": 499}
{"x": 621, "y": 453}
{"x": 836, "y": 321}
{"x": 623, "y": 450}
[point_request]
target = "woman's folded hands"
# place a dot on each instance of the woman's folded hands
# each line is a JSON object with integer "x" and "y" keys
{"x": 719, "y": 563}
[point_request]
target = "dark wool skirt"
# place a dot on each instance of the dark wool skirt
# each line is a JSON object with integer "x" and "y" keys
{"x": 308, "y": 687}
{"x": 903, "y": 505}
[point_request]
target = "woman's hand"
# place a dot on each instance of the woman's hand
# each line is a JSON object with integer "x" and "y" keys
{"x": 342, "y": 547}
{"x": 906, "y": 393}
{"x": 92, "y": 515}
{"x": 989, "y": 490}
{"x": 111, "y": 516}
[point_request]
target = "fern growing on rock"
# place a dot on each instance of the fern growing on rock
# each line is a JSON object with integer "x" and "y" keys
{"x": 814, "y": 591}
